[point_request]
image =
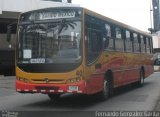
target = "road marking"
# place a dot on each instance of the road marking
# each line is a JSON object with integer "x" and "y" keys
{"x": 18, "y": 90}
{"x": 60, "y": 91}
{"x": 69, "y": 91}
{"x": 79, "y": 91}
{"x": 51, "y": 91}
{"x": 43, "y": 90}
{"x": 26, "y": 90}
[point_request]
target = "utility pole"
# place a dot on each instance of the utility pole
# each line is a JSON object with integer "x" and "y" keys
{"x": 156, "y": 23}
{"x": 156, "y": 14}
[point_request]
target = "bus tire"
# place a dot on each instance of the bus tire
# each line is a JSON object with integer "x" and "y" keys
{"x": 54, "y": 96}
{"x": 141, "y": 79}
{"x": 107, "y": 90}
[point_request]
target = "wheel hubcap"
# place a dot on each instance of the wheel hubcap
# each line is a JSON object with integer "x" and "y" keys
{"x": 106, "y": 88}
{"x": 142, "y": 80}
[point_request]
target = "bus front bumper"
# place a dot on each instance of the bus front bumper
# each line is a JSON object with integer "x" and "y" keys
{"x": 23, "y": 87}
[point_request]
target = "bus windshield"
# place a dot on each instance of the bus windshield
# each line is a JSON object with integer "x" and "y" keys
{"x": 50, "y": 42}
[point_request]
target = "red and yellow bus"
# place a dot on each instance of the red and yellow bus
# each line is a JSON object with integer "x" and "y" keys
{"x": 75, "y": 50}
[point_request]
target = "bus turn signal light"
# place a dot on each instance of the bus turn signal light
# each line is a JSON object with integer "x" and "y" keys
{"x": 74, "y": 80}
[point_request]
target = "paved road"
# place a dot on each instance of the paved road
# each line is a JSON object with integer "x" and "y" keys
{"x": 128, "y": 98}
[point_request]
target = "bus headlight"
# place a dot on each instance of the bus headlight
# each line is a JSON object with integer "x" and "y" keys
{"x": 74, "y": 80}
{"x": 23, "y": 79}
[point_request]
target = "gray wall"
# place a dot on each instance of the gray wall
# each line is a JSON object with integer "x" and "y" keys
{"x": 4, "y": 44}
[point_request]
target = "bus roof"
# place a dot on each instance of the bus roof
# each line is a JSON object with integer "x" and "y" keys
{"x": 110, "y": 20}
{"x": 56, "y": 7}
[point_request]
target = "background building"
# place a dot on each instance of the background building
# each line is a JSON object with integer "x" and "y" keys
{"x": 9, "y": 13}
{"x": 156, "y": 15}
{"x": 156, "y": 23}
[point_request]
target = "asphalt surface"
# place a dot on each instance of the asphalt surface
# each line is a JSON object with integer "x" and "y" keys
{"x": 128, "y": 98}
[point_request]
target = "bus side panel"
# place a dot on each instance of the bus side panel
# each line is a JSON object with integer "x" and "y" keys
{"x": 148, "y": 70}
{"x": 132, "y": 67}
{"x": 115, "y": 62}
{"x": 94, "y": 84}
{"x": 95, "y": 76}
{"x": 125, "y": 69}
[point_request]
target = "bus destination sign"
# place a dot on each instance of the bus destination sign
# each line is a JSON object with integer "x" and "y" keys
{"x": 57, "y": 15}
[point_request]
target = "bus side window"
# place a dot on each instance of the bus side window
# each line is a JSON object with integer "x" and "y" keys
{"x": 151, "y": 45}
{"x": 123, "y": 31}
{"x": 106, "y": 37}
{"x": 145, "y": 44}
{"x": 119, "y": 43}
{"x": 128, "y": 41}
{"x": 139, "y": 44}
{"x": 118, "y": 33}
{"x": 148, "y": 45}
{"x": 132, "y": 41}
{"x": 93, "y": 38}
{"x": 142, "y": 44}
{"x": 96, "y": 41}
{"x": 136, "y": 43}
{"x": 94, "y": 45}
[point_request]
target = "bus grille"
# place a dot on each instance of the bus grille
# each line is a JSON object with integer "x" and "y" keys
{"x": 46, "y": 88}
{"x": 48, "y": 81}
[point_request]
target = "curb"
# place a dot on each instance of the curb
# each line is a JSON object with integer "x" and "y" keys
{"x": 7, "y": 77}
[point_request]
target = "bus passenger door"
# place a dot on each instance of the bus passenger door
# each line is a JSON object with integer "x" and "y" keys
{"x": 93, "y": 39}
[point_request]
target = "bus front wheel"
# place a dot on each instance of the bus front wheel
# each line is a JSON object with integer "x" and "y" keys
{"x": 105, "y": 93}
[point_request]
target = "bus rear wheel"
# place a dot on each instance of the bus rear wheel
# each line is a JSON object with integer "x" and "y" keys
{"x": 141, "y": 79}
{"x": 54, "y": 96}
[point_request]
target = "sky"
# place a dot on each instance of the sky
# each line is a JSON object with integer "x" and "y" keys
{"x": 135, "y": 13}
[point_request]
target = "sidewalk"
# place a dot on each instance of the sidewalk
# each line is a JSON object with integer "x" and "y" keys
{"x": 7, "y": 85}
{"x": 7, "y": 82}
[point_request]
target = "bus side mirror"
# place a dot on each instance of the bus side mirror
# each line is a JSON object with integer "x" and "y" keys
{"x": 9, "y": 32}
